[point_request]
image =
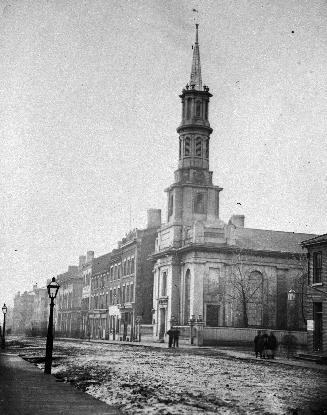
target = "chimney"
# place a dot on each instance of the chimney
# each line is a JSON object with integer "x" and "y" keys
{"x": 154, "y": 218}
{"x": 237, "y": 220}
{"x": 81, "y": 260}
{"x": 89, "y": 256}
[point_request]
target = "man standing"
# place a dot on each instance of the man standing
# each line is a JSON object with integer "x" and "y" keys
{"x": 170, "y": 333}
{"x": 272, "y": 345}
{"x": 258, "y": 345}
{"x": 176, "y": 333}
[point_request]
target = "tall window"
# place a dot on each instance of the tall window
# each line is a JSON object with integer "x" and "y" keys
{"x": 188, "y": 108}
{"x": 180, "y": 148}
{"x": 254, "y": 298}
{"x": 132, "y": 265}
{"x": 164, "y": 284}
{"x": 187, "y": 146}
{"x": 187, "y": 296}
{"x": 198, "y": 147}
{"x": 207, "y": 149}
{"x": 171, "y": 205}
{"x": 198, "y": 109}
{"x": 199, "y": 203}
{"x": 132, "y": 292}
{"x": 317, "y": 266}
{"x": 206, "y": 110}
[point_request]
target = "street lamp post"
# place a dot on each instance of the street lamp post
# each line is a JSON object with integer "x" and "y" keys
{"x": 53, "y": 288}
{"x": 191, "y": 323}
{"x": 3, "y": 343}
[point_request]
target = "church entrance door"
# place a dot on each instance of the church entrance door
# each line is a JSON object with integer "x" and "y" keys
{"x": 212, "y": 315}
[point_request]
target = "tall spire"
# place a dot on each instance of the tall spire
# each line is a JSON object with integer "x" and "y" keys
{"x": 196, "y": 78}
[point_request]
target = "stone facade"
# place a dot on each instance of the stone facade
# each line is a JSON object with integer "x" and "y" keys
{"x": 40, "y": 314}
{"x": 316, "y": 296}
{"x": 22, "y": 312}
{"x": 219, "y": 274}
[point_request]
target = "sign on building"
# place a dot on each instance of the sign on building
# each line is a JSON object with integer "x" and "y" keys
{"x": 310, "y": 325}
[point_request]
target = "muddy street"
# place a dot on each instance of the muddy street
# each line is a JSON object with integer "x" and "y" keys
{"x": 145, "y": 380}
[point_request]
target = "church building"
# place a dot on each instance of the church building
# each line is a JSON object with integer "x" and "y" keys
{"x": 223, "y": 274}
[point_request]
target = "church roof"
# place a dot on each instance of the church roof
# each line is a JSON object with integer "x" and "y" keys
{"x": 267, "y": 240}
{"x": 196, "y": 78}
{"x": 317, "y": 240}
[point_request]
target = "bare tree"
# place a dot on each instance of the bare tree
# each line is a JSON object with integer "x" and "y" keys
{"x": 245, "y": 288}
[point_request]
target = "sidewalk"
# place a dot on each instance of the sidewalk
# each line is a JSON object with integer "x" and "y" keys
{"x": 26, "y": 390}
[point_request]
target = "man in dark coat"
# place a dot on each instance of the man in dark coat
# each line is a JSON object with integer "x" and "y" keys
{"x": 176, "y": 333}
{"x": 170, "y": 333}
{"x": 272, "y": 345}
{"x": 257, "y": 345}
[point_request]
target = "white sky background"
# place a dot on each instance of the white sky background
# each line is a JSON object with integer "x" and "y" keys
{"x": 89, "y": 108}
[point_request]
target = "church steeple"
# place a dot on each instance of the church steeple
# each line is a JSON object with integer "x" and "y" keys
{"x": 196, "y": 79}
{"x": 193, "y": 196}
{"x": 194, "y": 130}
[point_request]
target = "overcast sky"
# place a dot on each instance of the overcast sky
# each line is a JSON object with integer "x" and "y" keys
{"x": 89, "y": 110}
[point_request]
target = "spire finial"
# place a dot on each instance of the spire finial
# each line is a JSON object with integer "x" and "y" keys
{"x": 196, "y": 79}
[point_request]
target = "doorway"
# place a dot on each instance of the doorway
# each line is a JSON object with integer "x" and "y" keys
{"x": 212, "y": 315}
{"x": 162, "y": 330}
{"x": 317, "y": 332}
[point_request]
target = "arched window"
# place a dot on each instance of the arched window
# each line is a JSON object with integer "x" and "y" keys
{"x": 188, "y": 108}
{"x": 255, "y": 299}
{"x": 164, "y": 284}
{"x": 187, "y": 296}
{"x": 198, "y": 109}
{"x": 198, "y": 147}
{"x": 207, "y": 148}
{"x": 132, "y": 265}
{"x": 187, "y": 146}
{"x": 171, "y": 205}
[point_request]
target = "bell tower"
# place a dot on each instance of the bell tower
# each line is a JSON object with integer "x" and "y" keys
{"x": 193, "y": 196}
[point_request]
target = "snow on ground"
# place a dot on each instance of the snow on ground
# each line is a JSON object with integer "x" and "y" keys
{"x": 145, "y": 380}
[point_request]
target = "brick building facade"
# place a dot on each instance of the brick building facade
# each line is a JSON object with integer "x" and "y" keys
{"x": 316, "y": 296}
{"x": 68, "y": 303}
{"x": 122, "y": 284}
